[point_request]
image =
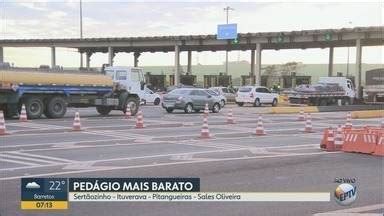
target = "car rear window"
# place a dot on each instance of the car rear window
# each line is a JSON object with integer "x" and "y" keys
{"x": 212, "y": 92}
{"x": 245, "y": 89}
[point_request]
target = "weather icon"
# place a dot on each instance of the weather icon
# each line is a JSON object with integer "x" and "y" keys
{"x": 32, "y": 185}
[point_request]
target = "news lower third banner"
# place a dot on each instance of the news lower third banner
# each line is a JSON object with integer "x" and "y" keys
{"x": 57, "y": 193}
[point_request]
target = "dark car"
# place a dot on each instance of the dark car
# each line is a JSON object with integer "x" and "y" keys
{"x": 189, "y": 100}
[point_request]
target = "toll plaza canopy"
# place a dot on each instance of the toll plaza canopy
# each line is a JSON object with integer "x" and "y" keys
{"x": 370, "y": 36}
{"x": 256, "y": 42}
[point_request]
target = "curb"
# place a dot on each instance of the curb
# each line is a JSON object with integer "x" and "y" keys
{"x": 287, "y": 110}
{"x": 367, "y": 114}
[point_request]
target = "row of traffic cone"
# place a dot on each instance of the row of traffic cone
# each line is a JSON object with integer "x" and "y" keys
{"x": 348, "y": 124}
{"x": 22, "y": 118}
{"x": 139, "y": 120}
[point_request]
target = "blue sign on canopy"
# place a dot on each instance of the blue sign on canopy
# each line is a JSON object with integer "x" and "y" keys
{"x": 227, "y": 31}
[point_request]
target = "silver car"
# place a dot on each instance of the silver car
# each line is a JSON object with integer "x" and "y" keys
{"x": 229, "y": 93}
{"x": 189, "y": 100}
{"x": 223, "y": 99}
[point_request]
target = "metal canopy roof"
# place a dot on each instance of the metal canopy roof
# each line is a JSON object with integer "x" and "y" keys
{"x": 370, "y": 36}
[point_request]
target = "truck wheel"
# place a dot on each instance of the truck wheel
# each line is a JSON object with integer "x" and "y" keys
{"x": 169, "y": 110}
{"x": 133, "y": 104}
{"x": 103, "y": 110}
{"x": 56, "y": 107}
{"x": 34, "y": 107}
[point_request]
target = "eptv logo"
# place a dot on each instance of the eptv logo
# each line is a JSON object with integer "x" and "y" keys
{"x": 345, "y": 194}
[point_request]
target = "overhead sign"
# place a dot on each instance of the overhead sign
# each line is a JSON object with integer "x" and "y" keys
{"x": 227, "y": 31}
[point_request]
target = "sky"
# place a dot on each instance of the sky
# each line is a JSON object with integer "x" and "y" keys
{"x": 60, "y": 19}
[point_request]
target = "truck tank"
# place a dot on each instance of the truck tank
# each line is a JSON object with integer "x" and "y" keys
{"x": 51, "y": 78}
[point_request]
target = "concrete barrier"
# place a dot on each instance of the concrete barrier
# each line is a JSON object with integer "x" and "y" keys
{"x": 367, "y": 114}
{"x": 350, "y": 108}
{"x": 286, "y": 110}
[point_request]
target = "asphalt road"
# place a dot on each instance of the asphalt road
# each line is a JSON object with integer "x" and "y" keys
{"x": 234, "y": 160}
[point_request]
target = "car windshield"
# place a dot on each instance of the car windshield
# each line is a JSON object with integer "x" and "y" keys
{"x": 245, "y": 89}
{"x": 179, "y": 91}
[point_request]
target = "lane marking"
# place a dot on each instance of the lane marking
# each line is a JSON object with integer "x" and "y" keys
{"x": 152, "y": 156}
{"x": 19, "y": 162}
{"x": 354, "y": 211}
{"x": 25, "y": 159}
{"x": 206, "y": 143}
{"x": 360, "y": 209}
{"x": 61, "y": 143}
{"x": 165, "y": 164}
{"x": 43, "y": 157}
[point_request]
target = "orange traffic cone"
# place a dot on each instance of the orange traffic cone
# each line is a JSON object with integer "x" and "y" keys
{"x": 205, "y": 130}
{"x": 128, "y": 113}
{"x": 308, "y": 124}
{"x": 301, "y": 115}
{"x": 23, "y": 114}
{"x": 3, "y": 130}
{"x": 339, "y": 138}
{"x": 324, "y": 140}
{"x": 76, "y": 122}
{"x": 140, "y": 120}
{"x": 260, "y": 128}
{"x": 230, "y": 119}
{"x": 348, "y": 124}
{"x": 206, "y": 110}
{"x": 330, "y": 141}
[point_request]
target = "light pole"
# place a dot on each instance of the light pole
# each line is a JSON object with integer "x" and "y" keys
{"x": 350, "y": 23}
{"x": 227, "y": 9}
{"x": 81, "y": 31}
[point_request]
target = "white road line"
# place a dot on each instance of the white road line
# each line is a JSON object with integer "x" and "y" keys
{"x": 60, "y": 143}
{"x": 114, "y": 134}
{"x": 36, "y": 126}
{"x": 42, "y": 157}
{"x": 25, "y": 159}
{"x": 358, "y": 211}
{"x": 19, "y": 162}
{"x": 165, "y": 164}
{"x": 14, "y": 133}
{"x": 205, "y": 143}
{"x": 164, "y": 155}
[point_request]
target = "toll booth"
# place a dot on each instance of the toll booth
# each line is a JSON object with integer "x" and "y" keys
{"x": 284, "y": 81}
{"x": 246, "y": 80}
{"x": 292, "y": 81}
{"x": 184, "y": 79}
{"x": 155, "y": 82}
{"x": 217, "y": 80}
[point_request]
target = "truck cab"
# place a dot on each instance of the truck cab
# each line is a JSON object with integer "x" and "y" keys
{"x": 343, "y": 82}
{"x": 129, "y": 78}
